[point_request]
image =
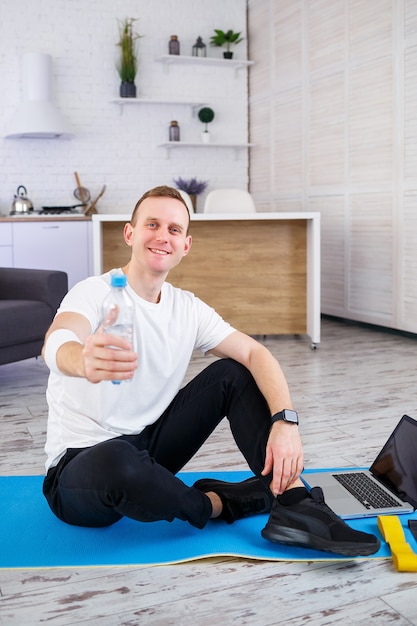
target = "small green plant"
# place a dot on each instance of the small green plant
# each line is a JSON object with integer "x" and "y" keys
{"x": 128, "y": 64}
{"x": 225, "y": 38}
{"x": 206, "y": 115}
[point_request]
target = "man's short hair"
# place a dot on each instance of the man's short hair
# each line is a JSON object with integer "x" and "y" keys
{"x": 163, "y": 191}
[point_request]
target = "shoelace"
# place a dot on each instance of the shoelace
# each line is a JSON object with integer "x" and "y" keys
{"x": 317, "y": 495}
{"x": 318, "y": 498}
{"x": 246, "y": 505}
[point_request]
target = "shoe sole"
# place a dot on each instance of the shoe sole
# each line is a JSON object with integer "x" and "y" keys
{"x": 293, "y": 537}
{"x": 209, "y": 483}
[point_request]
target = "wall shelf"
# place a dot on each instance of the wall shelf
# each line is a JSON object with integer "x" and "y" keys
{"x": 237, "y": 147}
{"x": 157, "y": 101}
{"x": 173, "y": 59}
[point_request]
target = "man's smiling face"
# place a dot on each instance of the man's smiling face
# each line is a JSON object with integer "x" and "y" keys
{"x": 158, "y": 237}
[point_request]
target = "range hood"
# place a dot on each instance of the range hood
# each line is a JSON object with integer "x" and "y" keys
{"x": 37, "y": 117}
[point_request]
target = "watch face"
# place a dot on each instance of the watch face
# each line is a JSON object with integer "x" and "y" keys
{"x": 290, "y": 416}
{"x": 287, "y": 415}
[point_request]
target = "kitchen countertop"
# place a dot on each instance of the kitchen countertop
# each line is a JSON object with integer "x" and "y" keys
{"x": 45, "y": 218}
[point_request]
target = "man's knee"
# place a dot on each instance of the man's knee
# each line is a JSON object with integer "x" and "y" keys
{"x": 113, "y": 462}
{"x": 229, "y": 369}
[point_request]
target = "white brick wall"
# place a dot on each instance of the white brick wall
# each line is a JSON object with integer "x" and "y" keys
{"x": 113, "y": 148}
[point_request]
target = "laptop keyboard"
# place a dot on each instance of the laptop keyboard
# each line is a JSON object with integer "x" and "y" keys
{"x": 365, "y": 490}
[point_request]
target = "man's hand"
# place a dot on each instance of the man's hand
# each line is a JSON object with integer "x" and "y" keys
{"x": 284, "y": 456}
{"x": 102, "y": 362}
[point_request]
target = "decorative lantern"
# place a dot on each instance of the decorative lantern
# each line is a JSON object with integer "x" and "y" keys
{"x": 199, "y": 48}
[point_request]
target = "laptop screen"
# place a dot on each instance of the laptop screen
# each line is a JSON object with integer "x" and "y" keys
{"x": 396, "y": 464}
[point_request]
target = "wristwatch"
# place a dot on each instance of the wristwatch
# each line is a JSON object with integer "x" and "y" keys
{"x": 286, "y": 415}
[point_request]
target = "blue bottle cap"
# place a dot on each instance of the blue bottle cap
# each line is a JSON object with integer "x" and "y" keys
{"x": 118, "y": 280}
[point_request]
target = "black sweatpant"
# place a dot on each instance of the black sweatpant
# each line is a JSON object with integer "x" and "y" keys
{"x": 134, "y": 475}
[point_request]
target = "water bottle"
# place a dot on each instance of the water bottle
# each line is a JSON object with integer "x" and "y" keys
{"x": 118, "y": 311}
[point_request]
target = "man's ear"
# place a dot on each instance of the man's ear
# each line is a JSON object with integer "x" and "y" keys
{"x": 127, "y": 233}
{"x": 187, "y": 245}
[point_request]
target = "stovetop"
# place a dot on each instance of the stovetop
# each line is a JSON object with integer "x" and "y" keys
{"x": 50, "y": 212}
{"x": 74, "y": 209}
{"x": 58, "y": 211}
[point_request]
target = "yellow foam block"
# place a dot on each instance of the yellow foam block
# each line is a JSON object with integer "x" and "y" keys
{"x": 403, "y": 556}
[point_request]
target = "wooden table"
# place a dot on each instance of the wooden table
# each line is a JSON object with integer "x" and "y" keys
{"x": 260, "y": 271}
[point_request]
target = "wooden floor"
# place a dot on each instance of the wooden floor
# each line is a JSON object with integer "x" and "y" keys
{"x": 350, "y": 393}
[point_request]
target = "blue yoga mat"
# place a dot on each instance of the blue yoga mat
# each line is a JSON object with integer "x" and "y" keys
{"x": 32, "y": 537}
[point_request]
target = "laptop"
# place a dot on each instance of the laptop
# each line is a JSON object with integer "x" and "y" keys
{"x": 392, "y": 479}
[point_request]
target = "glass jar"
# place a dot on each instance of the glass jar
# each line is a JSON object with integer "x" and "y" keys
{"x": 174, "y": 131}
{"x": 174, "y": 45}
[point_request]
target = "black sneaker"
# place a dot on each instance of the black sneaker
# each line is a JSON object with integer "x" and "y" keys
{"x": 312, "y": 524}
{"x": 248, "y": 497}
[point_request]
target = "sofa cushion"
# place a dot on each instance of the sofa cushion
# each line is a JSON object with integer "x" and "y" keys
{"x": 22, "y": 321}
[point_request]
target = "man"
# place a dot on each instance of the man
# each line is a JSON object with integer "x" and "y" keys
{"x": 114, "y": 450}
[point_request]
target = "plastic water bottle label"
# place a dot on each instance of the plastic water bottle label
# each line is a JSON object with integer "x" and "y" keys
{"x": 121, "y": 330}
{"x": 118, "y": 312}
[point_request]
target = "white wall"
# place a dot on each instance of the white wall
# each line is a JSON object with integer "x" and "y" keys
{"x": 120, "y": 150}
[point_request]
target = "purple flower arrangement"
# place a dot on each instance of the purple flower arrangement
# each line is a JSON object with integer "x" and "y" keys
{"x": 191, "y": 186}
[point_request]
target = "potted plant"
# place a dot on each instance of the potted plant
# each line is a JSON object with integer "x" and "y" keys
{"x": 225, "y": 38}
{"x": 192, "y": 186}
{"x": 206, "y": 115}
{"x": 128, "y": 63}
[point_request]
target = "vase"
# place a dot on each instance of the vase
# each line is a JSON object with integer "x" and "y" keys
{"x": 127, "y": 90}
{"x": 228, "y": 55}
{"x": 205, "y": 136}
{"x": 193, "y": 198}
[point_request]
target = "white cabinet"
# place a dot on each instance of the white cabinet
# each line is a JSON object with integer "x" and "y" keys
{"x": 336, "y": 122}
{"x": 6, "y": 250}
{"x": 50, "y": 244}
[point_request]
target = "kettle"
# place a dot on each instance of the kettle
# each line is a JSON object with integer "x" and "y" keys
{"x": 21, "y": 203}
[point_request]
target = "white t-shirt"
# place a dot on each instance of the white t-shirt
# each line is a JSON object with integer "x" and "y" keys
{"x": 82, "y": 414}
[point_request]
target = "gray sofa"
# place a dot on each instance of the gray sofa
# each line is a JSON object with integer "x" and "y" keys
{"x": 28, "y": 302}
